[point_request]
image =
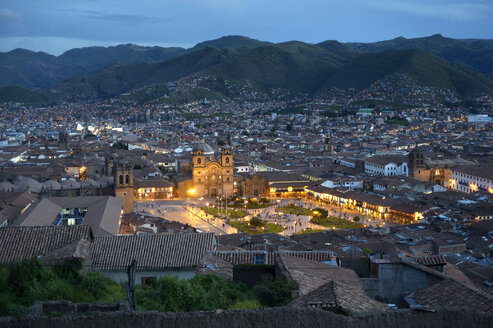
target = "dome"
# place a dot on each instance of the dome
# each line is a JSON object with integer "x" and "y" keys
{"x": 205, "y": 148}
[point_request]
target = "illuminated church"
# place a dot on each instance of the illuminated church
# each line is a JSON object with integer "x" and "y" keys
{"x": 212, "y": 177}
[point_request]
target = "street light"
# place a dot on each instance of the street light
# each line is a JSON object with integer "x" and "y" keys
{"x": 190, "y": 192}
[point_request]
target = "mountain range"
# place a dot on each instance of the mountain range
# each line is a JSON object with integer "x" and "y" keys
{"x": 465, "y": 66}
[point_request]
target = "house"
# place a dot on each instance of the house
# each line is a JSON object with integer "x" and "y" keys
{"x": 157, "y": 255}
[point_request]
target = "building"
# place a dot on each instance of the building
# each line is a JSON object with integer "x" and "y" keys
{"x": 124, "y": 184}
{"x": 386, "y": 165}
{"x": 212, "y": 177}
{"x": 156, "y": 255}
{"x": 470, "y": 179}
{"x": 102, "y": 213}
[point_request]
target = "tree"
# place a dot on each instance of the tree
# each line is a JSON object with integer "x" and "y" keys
{"x": 356, "y": 219}
{"x": 256, "y": 222}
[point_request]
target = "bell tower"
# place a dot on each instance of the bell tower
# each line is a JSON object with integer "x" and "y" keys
{"x": 227, "y": 169}
{"x": 124, "y": 183}
{"x": 416, "y": 163}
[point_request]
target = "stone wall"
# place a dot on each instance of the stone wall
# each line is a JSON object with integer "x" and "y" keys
{"x": 269, "y": 318}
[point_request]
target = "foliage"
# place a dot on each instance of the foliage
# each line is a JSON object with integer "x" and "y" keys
{"x": 252, "y": 230}
{"x": 256, "y": 222}
{"x": 24, "y": 282}
{"x": 274, "y": 291}
{"x": 336, "y": 223}
{"x": 356, "y": 219}
{"x": 308, "y": 231}
{"x": 320, "y": 213}
{"x": 294, "y": 209}
{"x": 231, "y": 213}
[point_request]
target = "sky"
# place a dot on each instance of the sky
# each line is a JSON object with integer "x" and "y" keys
{"x": 54, "y": 26}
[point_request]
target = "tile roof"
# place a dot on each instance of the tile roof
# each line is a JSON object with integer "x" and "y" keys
{"x": 340, "y": 297}
{"x": 17, "y": 243}
{"x": 311, "y": 275}
{"x": 451, "y": 293}
{"x": 152, "y": 252}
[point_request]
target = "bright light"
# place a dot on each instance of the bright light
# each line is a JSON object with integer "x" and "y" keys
{"x": 290, "y": 189}
{"x": 191, "y": 191}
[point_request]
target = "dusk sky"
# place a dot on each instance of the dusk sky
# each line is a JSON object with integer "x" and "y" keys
{"x": 55, "y": 26}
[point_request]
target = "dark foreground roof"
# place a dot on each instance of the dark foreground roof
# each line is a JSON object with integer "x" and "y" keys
{"x": 152, "y": 252}
{"x": 17, "y": 243}
{"x": 451, "y": 293}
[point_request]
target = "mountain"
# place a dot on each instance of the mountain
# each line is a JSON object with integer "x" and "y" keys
{"x": 473, "y": 53}
{"x": 297, "y": 66}
{"x": 231, "y": 41}
{"x": 424, "y": 68}
{"x": 18, "y": 94}
{"x": 39, "y": 70}
{"x": 119, "y": 79}
{"x": 292, "y": 65}
{"x": 30, "y": 69}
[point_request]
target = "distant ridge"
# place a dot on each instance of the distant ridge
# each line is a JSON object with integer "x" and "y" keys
{"x": 101, "y": 72}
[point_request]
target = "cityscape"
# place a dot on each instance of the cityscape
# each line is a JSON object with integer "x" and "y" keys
{"x": 241, "y": 182}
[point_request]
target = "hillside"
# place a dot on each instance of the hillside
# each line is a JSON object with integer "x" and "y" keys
{"x": 231, "y": 41}
{"x": 295, "y": 65}
{"x": 424, "y": 68}
{"x": 18, "y": 94}
{"x": 99, "y": 72}
{"x": 473, "y": 53}
{"x": 39, "y": 70}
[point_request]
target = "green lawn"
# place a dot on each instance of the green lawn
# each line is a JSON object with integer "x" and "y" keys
{"x": 251, "y": 206}
{"x": 294, "y": 209}
{"x": 309, "y": 231}
{"x": 231, "y": 213}
{"x": 251, "y": 230}
{"x": 336, "y": 223}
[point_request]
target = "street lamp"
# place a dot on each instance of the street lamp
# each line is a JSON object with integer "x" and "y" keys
{"x": 190, "y": 192}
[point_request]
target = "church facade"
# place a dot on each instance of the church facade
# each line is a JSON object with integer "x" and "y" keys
{"x": 212, "y": 177}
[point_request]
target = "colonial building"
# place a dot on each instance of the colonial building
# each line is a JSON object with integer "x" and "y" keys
{"x": 212, "y": 177}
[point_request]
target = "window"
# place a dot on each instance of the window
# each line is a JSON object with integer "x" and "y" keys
{"x": 121, "y": 179}
{"x": 127, "y": 179}
{"x": 259, "y": 259}
{"x": 199, "y": 160}
{"x": 227, "y": 159}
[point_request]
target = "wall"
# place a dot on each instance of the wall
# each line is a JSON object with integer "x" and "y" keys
{"x": 120, "y": 276}
{"x": 393, "y": 280}
{"x": 260, "y": 318}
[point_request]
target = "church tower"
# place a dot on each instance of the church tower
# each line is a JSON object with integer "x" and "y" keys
{"x": 124, "y": 182}
{"x": 416, "y": 164}
{"x": 227, "y": 168}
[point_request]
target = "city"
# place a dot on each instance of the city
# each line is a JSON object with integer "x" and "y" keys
{"x": 300, "y": 183}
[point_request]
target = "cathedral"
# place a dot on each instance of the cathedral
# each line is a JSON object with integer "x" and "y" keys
{"x": 212, "y": 177}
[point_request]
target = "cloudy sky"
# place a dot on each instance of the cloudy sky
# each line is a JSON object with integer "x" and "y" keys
{"x": 54, "y": 26}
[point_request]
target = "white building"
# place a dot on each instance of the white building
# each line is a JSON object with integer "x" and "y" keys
{"x": 387, "y": 165}
{"x": 471, "y": 178}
